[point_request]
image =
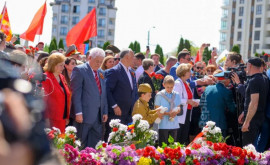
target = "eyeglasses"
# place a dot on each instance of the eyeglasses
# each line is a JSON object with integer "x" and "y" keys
{"x": 116, "y": 59}
{"x": 199, "y": 67}
{"x": 210, "y": 71}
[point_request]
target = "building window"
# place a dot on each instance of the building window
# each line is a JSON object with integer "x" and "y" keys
{"x": 102, "y": 1}
{"x": 259, "y": 0}
{"x": 257, "y": 35}
{"x": 76, "y": 9}
{"x": 91, "y": 1}
{"x": 64, "y": 20}
{"x": 226, "y": 2}
{"x": 222, "y": 47}
{"x": 241, "y": 11}
{"x": 75, "y": 20}
{"x": 102, "y": 11}
{"x": 223, "y": 36}
{"x": 90, "y": 8}
{"x": 255, "y": 47}
{"x": 54, "y": 29}
{"x": 63, "y": 31}
{"x": 77, "y": 0}
{"x": 110, "y": 33}
{"x": 65, "y": 8}
{"x": 258, "y": 9}
{"x": 242, "y": 1}
{"x": 233, "y": 11}
{"x": 223, "y": 25}
{"x": 240, "y": 22}
{"x": 101, "y": 22}
{"x": 54, "y": 17}
{"x": 111, "y": 21}
{"x": 239, "y": 45}
{"x": 258, "y": 22}
{"x": 100, "y": 43}
{"x": 239, "y": 36}
{"x": 225, "y": 13}
{"x": 101, "y": 34}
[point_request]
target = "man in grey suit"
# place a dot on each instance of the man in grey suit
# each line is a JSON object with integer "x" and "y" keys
{"x": 89, "y": 98}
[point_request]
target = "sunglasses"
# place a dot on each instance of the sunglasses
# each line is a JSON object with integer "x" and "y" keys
{"x": 116, "y": 59}
{"x": 199, "y": 67}
{"x": 210, "y": 71}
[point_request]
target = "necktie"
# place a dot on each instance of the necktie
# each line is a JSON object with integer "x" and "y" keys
{"x": 97, "y": 81}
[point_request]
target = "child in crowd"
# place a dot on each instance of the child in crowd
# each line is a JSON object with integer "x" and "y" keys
{"x": 170, "y": 99}
{"x": 141, "y": 105}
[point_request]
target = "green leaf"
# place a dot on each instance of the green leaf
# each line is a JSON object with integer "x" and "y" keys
{"x": 164, "y": 145}
{"x": 170, "y": 139}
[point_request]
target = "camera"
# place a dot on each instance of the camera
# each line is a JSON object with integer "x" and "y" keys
{"x": 240, "y": 71}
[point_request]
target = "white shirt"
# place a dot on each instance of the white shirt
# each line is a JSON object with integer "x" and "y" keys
{"x": 139, "y": 71}
{"x": 128, "y": 74}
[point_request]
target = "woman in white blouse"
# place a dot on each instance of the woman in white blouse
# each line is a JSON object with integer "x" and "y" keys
{"x": 181, "y": 86}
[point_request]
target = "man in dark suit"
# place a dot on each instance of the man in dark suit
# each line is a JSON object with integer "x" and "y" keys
{"x": 157, "y": 66}
{"x": 148, "y": 66}
{"x": 121, "y": 89}
{"x": 89, "y": 98}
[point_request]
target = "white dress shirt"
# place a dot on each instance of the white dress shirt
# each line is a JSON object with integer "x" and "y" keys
{"x": 128, "y": 74}
{"x": 139, "y": 71}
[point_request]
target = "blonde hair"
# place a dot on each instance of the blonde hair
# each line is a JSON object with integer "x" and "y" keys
{"x": 103, "y": 65}
{"x": 168, "y": 80}
{"x": 53, "y": 60}
{"x": 182, "y": 69}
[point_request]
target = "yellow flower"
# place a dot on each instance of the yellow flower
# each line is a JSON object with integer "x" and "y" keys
{"x": 144, "y": 161}
{"x": 160, "y": 150}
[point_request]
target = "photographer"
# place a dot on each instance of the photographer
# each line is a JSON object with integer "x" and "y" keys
{"x": 255, "y": 100}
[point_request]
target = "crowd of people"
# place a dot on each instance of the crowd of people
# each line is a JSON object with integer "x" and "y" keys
{"x": 88, "y": 91}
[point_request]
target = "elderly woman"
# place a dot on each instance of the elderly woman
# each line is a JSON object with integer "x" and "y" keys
{"x": 210, "y": 69}
{"x": 107, "y": 63}
{"x": 181, "y": 86}
{"x": 70, "y": 63}
{"x": 57, "y": 94}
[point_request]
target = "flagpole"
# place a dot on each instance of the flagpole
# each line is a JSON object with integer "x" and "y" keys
{"x": 3, "y": 15}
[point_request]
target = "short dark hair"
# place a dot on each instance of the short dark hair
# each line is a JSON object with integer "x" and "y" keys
{"x": 139, "y": 56}
{"x": 146, "y": 63}
{"x": 233, "y": 56}
{"x": 141, "y": 93}
{"x": 182, "y": 55}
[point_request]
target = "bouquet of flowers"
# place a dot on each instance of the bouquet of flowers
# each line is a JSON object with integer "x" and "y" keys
{"x": 157, "y": 79}
{"x": 137, "y": 132}
{"x": 212, "y": 133}
{"x": 59, "y": 139}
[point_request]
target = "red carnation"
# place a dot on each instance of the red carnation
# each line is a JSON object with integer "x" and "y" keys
{"x": 132, "y": 146}
{"x": 173, "y": 162}
{"x": 162, "y": 163}
{"x": 104, "y": 145}
{"x": 188, "y": 152}
{"x": 240, "y": 161}
{"x": 195, "y": 161}
{"x": 51, "y": 135}
{"x": 115, "y": 129}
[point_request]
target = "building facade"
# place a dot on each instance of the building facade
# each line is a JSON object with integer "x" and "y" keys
{"x": 67, "y": 13}
{"x": 245, "y": 23}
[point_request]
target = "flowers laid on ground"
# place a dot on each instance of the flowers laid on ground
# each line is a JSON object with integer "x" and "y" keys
{"x": 59, "y": 139}
{"x": 205, "y": 150}
{"x": 156, "y": 79}
{"x": 138, "y": 132}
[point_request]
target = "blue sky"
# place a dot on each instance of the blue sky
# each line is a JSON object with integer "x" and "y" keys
{"x": 196, "y": 20}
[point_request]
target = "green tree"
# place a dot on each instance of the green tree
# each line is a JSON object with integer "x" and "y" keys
{"x": 131, "y": 46}
{"x": 61, "y": 44}
{"x": 256, "y": 54}
{"x": 194, "y": 50}
{"x": 107, "y": 43}
{"x": 187, "y": 45}
{"x": 181, "y": 45}
{"x": 53, "y": 45}
{"x": 236, "y": 49}
{"x": 159, "y": 51}
{"x": 206, "y": 55}
{"x": 263, "y": 53}
{"x": 137, "y": 47}
{"x": 46, "y": 48}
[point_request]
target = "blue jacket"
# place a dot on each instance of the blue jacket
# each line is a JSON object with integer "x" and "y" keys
{"x": 120, "y": 92}
{"x": 215, "y": 100}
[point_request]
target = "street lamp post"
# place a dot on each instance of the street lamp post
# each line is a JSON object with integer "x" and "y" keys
{"x": 148, "y": 38}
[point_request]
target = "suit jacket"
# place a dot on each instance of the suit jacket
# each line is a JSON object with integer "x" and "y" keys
{"x": 157, "y": 68}
{"x": 86, "y": 98}
{"x": 145, "y": 78}
{"x": 119, "y": 91}
{"x": 215, "y": 100}
{"x": 55, "y": 97}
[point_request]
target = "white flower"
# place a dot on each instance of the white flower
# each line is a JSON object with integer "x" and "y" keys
{"x": 98, "y": 144}
{"x": 250, "y": 148}
{"x": 61, "y": 141}
{"x": 122, "y": 127}
{"x": 57, "y": 130}
{"x": 110, "y": 160}
{"x": 136, "y": 117}
{"x": 217, "y": 130}
{"x": 70, "y": 129}
{"x": 199, "y": 140}
{"x": 78, "y": 143}
{"x": 210, "y": 124}
{"x": 143, "y": 125}
{"x": 102, "y": 160}
{"x": 154, "y": 134}
{"x": 212, "y": 131}
{"x": 117, "y": 138}
{"x": 114, "y": 123}
{"x": 111, "y": 135}
{"x": 47, "y": 130}
{"x": 128, "y": 136}
{"x": 205, "y": 130}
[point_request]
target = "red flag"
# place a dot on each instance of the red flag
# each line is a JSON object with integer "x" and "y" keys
{"x": 5, "y": 24}
{"x": 84, "y": 30}
{"x": 81, "y": 48}
{"x": 36, "y": 26}
{"x": 197, "y": 57}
